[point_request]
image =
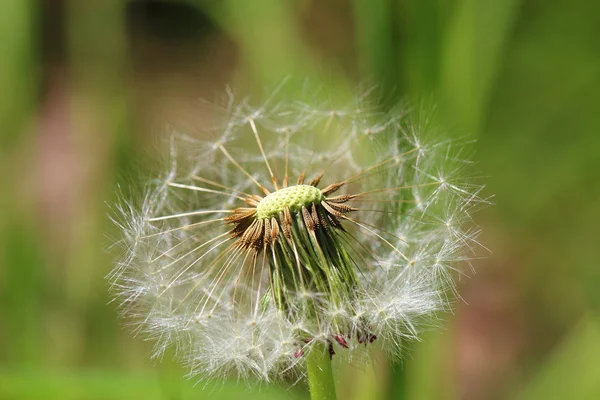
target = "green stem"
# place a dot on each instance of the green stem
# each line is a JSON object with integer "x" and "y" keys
{"x": 320, "y": 375}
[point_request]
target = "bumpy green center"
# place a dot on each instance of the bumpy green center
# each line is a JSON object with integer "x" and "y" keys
{"x": 293, "y": 197}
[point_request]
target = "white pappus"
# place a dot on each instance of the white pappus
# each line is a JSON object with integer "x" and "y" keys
{"x": 294, "y": 223}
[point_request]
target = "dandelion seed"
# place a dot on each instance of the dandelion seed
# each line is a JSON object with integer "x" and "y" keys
{"x": 294, "y": 227}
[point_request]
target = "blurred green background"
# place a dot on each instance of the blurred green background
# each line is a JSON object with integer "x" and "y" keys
{"x": 87, "y": 87}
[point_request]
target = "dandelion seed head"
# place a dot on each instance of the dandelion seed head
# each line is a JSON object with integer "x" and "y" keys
{"x": 294, "y": 223}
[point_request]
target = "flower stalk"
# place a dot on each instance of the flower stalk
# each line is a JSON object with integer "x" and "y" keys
{"x": 320, "y": 374}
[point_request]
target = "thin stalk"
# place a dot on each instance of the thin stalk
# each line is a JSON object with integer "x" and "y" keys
{"x": 320, "y": 375}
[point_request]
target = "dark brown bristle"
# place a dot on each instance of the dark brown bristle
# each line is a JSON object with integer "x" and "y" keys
{"x": 256, "y": 239}
{"x": 274, "y": 229}
{"x": 240, "y": 214}
{"x": 315, "y": 216}
{"x": 251, "y": 202}
{"x": 308, "y": 221}
{"x": 301, "y": 178}
{"x": 267, "y": 234}
{"x": 335, "y": 222}
{"x": 343, "y": 208}
{"x": 286, "y": 226}
{"x": 287, "y": 216}
{"x": 332, "y": 188}
{"x": 322, "y": 213}
{"x": 331, "y": 210}
{"x": 317, "y": 179}
{"x": 246, "y": 239}
{"x": 340, "y": 199}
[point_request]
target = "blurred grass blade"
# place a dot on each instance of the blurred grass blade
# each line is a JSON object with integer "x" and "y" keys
{"x": 373, "y": 20}
{"x": 18, "y": 67}
{"x": 471, "y": 57}
{"x": 427, "y": 372}
{"x": 21, "y": 290}
{"x": 269, "y": 39}
{"x": 571, "y": 372}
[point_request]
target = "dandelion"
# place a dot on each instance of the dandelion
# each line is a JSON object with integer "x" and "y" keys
{"x": 293, "y": 232}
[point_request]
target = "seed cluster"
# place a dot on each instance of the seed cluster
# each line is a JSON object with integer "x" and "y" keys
{"x": 259, "y": 226}
{"x": 297, "y": 226}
